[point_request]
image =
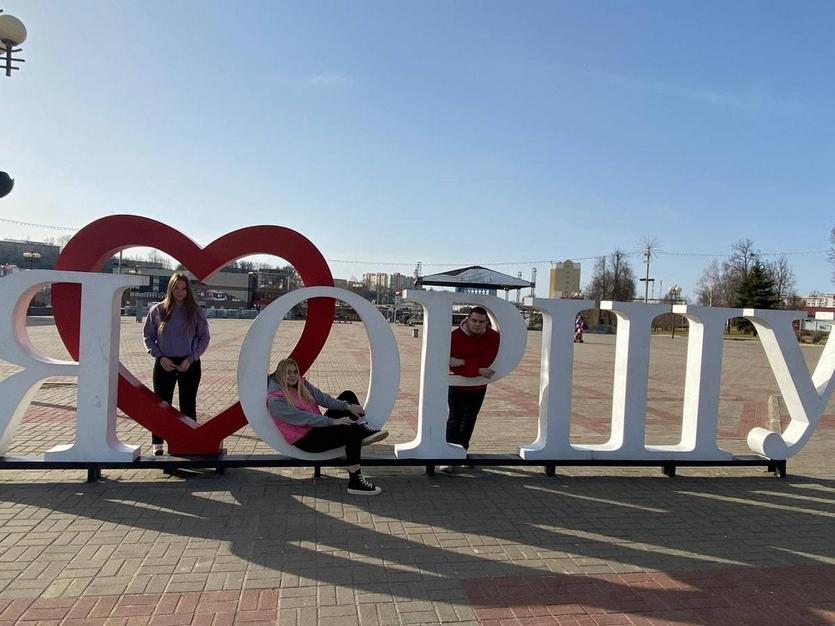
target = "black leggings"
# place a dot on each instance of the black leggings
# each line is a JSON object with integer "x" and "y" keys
{"x": 187, "y": 381}
{"x": 329, "y": 437}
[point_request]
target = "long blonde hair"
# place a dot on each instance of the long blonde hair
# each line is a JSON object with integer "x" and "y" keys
{"x": 291, "y": 393}
{"x": 189, "y": 303}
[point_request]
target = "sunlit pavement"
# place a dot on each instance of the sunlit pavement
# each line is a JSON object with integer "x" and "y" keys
{"x": 591, "y": 546}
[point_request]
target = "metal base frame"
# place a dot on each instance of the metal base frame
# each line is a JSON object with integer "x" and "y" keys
{"x": 221, "y": 462}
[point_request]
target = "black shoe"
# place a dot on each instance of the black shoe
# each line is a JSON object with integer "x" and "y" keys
{"x": 359, "y": 486}
{"x": 371, "y": 435}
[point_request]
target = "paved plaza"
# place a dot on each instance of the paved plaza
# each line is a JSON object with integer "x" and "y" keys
{"x": 591, "y": 546}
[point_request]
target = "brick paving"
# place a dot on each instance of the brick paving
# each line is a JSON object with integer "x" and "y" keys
{"x": 594, "y": 546}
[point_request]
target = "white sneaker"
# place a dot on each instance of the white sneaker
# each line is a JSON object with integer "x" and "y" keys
{"x": 372, "y": 435}
{"x": 446, "y": 469}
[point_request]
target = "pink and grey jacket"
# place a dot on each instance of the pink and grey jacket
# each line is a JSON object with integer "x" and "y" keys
{"x": 294, "y": 422}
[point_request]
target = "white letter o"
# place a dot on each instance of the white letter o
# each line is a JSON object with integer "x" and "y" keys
{"x": 254, "y": 365}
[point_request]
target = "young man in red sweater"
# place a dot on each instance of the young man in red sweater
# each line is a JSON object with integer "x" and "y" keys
{"x": 473, "y": 349}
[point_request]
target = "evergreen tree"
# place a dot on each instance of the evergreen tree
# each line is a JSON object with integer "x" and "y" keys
{"x": 758, "y": 290}
{"x": 721, "y": 285}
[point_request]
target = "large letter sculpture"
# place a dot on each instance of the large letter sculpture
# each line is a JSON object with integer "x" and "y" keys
{"x": 805, "y": 396}
{"x": 629, "y": 392}
{"x": 555, "y": 375}
{"x": 97, "y": 242}
{"x": 254, "y": 365}
{"x": 89, "y": 325}
{"x": 434, "y": 367}
{"x": 95, "y": 437}
{"x": 700, "y": 417}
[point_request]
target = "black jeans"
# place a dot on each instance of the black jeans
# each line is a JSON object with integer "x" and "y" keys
{"x": 464, "y": 406}
{"x": 348, "y": 396}
{"x": 329, "y": 437}
{"x": 187, "y": 381}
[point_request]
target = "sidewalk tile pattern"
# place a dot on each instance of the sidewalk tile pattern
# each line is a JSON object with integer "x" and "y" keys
{"x": 718, "y": 546}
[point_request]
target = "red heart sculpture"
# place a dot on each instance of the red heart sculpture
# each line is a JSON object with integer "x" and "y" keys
{"x": 97, "y": 242}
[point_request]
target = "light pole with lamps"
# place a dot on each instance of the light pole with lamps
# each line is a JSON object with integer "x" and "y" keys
{"x": 675, "y": 291}
{"x": 12, "y": 34}
{"x": 32, "y": 258}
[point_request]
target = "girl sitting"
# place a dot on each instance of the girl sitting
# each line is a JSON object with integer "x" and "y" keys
{"x": 294, "y": 405}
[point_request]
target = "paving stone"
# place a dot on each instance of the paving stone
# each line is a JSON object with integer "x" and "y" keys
{"x": 446, "y": 548}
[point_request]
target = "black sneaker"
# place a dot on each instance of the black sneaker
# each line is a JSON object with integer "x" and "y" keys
{"x": 359, "y": 486}
{"x": 371, "y": 435}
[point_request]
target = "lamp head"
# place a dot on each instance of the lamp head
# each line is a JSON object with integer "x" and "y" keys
{"x": 6, "y": 184}
{"x": 12, "y": 32}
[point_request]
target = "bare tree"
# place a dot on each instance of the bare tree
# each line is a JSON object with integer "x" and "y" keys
{"x": 155, "y": 256}
{"x": 624, "y": 278}
{"x": 709, "y": 290}
{"x": 736, "y": 267}
{"x": 613, "y": 278}
{"x": 721, "y": 285}
{"x": 742, "y": 258}
{"x": 784, "y": 281}
{"x": 599, "y": 287}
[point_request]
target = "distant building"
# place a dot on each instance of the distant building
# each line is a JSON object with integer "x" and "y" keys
{"x": 820, "y": 301}
{"x": 267, "y": 285}
{"x": 28, "y": 255}
{"x": 398, "y": 282}
{"x": 564, "y": 279}
{"x": 373, "y": 280}
{"x": 222, "y": 290}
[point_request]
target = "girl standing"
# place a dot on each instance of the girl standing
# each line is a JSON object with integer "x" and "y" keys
{"x": 176, "y": 335}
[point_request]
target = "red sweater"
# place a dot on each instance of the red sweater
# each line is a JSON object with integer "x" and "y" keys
{"x": 477, "y": 351}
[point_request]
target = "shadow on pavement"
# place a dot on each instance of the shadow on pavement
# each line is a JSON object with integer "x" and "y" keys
{"x": 422, "y": 533}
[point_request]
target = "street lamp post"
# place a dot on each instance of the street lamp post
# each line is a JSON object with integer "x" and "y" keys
{"x": 646, "y": 287}
{"x": 675, "y": 291}
{"x": 32, "y": 258}
{"x": 12, "y": 34}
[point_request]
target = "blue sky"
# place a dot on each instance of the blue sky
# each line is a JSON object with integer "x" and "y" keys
{"x": 450, "y": 133}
